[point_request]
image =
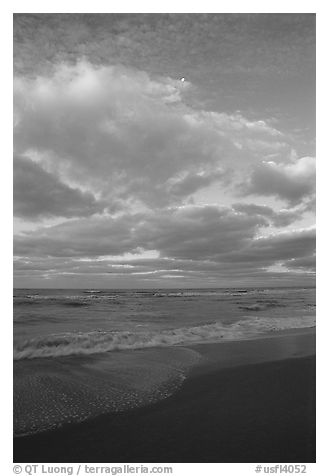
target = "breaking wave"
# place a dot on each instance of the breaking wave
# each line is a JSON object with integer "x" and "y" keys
{"x": 56, "y": 345}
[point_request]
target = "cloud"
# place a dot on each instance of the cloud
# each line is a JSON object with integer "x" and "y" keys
{"x": 197, "y": 232}
{"x": 264, "y": 62}
{"x": 129, "y": 136}
{"x": 285, "y": 245}
{"x": 187, "y": 232}
{"x": 186, "y": 235}
{"x": 188, "y": 183}
{"x": 112, "y": 147}
{"x": 292, "y": 182}
{"x": 307, "y": 263}
{"x": 39, "y": 194}
{"x": 283, "y": 258}
{"x": 279, "y": 218}
{"x": 280, "y": 248}
{"x": 249, "y": 43}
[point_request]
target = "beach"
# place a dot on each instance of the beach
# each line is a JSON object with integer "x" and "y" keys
{"x": 249, "y": 400}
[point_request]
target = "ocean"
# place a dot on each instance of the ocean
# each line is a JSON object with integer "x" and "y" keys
{"x": 80, "y": 353}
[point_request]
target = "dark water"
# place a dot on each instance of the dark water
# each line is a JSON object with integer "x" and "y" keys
{"x": 67, "y": 366}
{"x": 64, "y": 322}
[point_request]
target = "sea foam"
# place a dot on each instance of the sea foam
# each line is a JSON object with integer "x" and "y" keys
{"x": 94, "y": 342}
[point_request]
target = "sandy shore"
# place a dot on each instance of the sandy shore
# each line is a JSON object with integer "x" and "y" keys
{"x": 249, "y": 401}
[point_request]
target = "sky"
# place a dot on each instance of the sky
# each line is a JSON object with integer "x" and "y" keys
{"x": 164, "y": 150}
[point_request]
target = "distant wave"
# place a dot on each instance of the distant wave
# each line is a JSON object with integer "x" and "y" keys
{"x": 92, "y": 297}
{"x": 65, "y": 300}
{"x": 98, "y": 341}
{"x": 189, "y": 294}
{"x": 262, "y": 305}
{"x": 75, "y": 302}
{"x": 95, "y": 295}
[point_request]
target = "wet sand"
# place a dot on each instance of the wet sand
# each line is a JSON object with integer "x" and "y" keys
{"x": 52, "y": 392}
{"x": 248, "y": 401}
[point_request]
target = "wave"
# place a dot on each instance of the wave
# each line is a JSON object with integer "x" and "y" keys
{"x": 189, "y": 293}
{"x": 54, "y": 302}
{"x": 68, "y": 300}
{"x": 93, "y": 291}
{"x": 261, "y": 305}
{"x": 94, "y": 342}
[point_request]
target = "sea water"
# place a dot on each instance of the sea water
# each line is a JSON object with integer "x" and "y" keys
{"x": 80, "y": 353}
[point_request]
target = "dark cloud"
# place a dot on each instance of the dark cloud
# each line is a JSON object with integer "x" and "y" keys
{"x": 198, "y": 232}
{"x": 191, "y": 241}
{"x": 279, "y": 218}
{"x": 188, "y": 232}
{"x": 268, "y": 250}
{"x": 287, "y": 245}
{"x": 39, "y": 194}
{"x": 292, "y": 253}
{"x": 93, "y": 237}
{"x": 192, "y": 182}
{"x": 292, "y": 182}
{"x": 307, "y": 263}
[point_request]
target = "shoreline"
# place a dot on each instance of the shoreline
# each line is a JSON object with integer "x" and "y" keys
{"x": 245, "y": 401}
{"x": 274, "y": 346}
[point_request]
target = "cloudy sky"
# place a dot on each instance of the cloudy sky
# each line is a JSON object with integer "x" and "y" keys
{"x": 126, "y": 175}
